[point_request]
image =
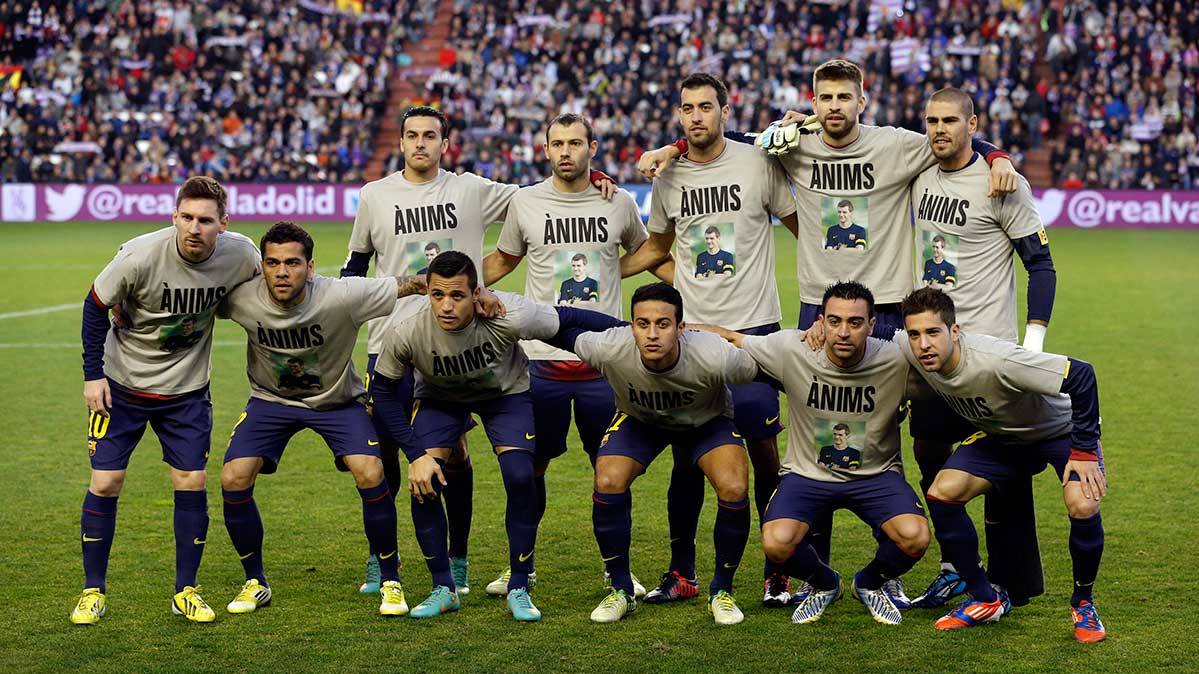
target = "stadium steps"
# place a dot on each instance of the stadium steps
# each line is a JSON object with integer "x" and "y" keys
{"x": 407, "y": 85}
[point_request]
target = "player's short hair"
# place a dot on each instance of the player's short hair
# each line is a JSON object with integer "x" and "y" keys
{"x": 432, "y": 245}
{"x": 286, "y": 231}
{"x": 838, "y": 70}
{"x": 659, "y": 292}
{"x": 929, "y": 299}
{"x": 204, "y": 187}
{"x": 712, "y": 230}
{"x": 939, "y": 238}
{"x": 453, "y": 263}
{"x": 426, "y": 111}
{"x": 570, "y": 119}
{"x": 845, "y": 203}
{"x": 701, "y": 80}
{"x": 842, "y": 426}
{"x": 849, "y": 290}
{"x": 295, "y": 360}
{"x": 954, "y": 95}
{"x": 579, "y": 257}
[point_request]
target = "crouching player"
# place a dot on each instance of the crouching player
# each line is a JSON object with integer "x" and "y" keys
{"x": 301, "y": 330}
{"x": 465, "y": 365}
{"x": 671, "y": 388}
{"x": 1032, "y": 409}
{"x": 845, "y": 394}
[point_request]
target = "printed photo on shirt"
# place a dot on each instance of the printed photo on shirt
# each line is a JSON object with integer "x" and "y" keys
{"x": 840, "y": 443}
{"x": 184, "y": 332}
{"x": 846, "y": 223}
{"x": 939, "y": 253}
{"x": 573, "y": 276}
{"x": 418, "y": 254}
{"x": 297, "y": 373}
{"x": 714, "y": 248}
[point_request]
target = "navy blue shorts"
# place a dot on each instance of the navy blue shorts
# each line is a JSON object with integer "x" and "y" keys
{"x": 643, "y": 442}
{"x": 182, "y": 423}
{"x": 756, "y": 405}
{"x": 935, "y": 421}
{"x": 888, "y": 318}
{"x": 997, "y": 459}
{"x": 594, "y": 406}
{"x": 508, "y": 421}
{"x": 874, "y": 499}
{"x": 264, "y": 429}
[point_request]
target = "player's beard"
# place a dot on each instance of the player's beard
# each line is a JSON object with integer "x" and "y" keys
{"x": 850, "y": 125}
{"x": 569, "y": 176}
{"x": 702, "y": 140}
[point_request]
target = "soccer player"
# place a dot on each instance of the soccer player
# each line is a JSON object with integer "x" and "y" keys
{"x": 939, "y": 272}
{"x": 398, "y": 217}
{"x": 131, "y": 378}
{"x": 468, "y": 365}
{"x": 545, "y": 222}
{"x": 734, "y": 185}
{"x": 845, "y": 234}
{"x": 671, "y": 387}
{"x": 950, "y": 203}
{"x": 714, "y": 260}
{"x": 1032, "y": 408}
{"x": 579, "y": 287}
{"x": 294, "y": 316}
{"x": 839, "y": 453}
{"x": 852, "y": 379}
{"x": 849, "y": 159}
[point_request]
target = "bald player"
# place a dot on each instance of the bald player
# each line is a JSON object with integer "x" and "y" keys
{"x": 564, "y": 227}
{"x": 671, "y": 388}
{"x": 137, "y": 372}
{"x": 853, "y": 380}
{"x": 950, "y": 203}
{"x": 721, "y": 183}
{"x": 403, "y": 220}
{"x": 293, "y": 318}
{"x": 466, "y": 365}
{"x": 1033, "y": 409}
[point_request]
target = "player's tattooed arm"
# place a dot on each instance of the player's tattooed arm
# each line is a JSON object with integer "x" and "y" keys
{"x": 497, "y": 264}
{"x": 411, "y": 285}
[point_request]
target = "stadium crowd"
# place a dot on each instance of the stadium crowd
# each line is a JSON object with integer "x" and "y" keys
{"x": 261, "y": 90}
{"x": 150, "y": 92}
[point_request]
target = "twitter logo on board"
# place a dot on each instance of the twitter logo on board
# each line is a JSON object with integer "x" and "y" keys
{"x": 64, "y": 205}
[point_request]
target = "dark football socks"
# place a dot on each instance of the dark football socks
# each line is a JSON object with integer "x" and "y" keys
{"x": 889, "y": 562}
{"x": 805, "y": 564}
{"x": 684, "y": 500}
{"x": 244, "y": 525}
{"x": 191, "y": 533}
{"x": 516, "y": 467}
{"x": 1086, "y": 549}
{"x": 612, "y": 519}
{"x": 959, "y": 545}
{"x": 379, "y": 522}
{"x": 729, "y": 536}
{"x": 97, "y": 525}
{"x": 459, "y": 494}
{"x": 429, "y": 524}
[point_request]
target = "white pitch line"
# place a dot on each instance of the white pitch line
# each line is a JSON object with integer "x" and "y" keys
{"x": 77, "y": 345}
{"x": 42, "y": 310}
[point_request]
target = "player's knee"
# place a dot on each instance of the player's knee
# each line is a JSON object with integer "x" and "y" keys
{"x": 1078, "y": 506}
{"x": 610, "y": 482}
{"x": 367, "y": 473}
{"x": 913, "y": 537}
{"x": 233, "y": 479}
{"x": 188, "y": 480}
{"x": 731, "y": 489}
{"x": 948, "y": 487}
{"x": 107, "y": 483}
{"x": 777, "y": 544}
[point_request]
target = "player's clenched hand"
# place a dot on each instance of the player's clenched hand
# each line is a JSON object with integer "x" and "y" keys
{"x": 1094, "y": 484}
{"x": 421, "y": 474}
{"x": 1003, "y": 178}
{"x": 97, "y": 396}
{"x": 814, "y": 336}
{"x": 489, "y": 305}
{"x": 653, "y": 162}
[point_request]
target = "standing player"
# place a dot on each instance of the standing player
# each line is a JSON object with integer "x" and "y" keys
{"x": 1034, "y": 409}
{"x": 562, "y": 219}
{"x": 401, "y": 218}
{"x": 846, "y": 233}
{"x": 972, "y": 239}
{"x": 161, "y": 281}
{"x": 671, "y": 387}
{"x": 293, "y": 318}
{"x": 854, "y": 380}
{"x": 467, "y": 365}
{"x": 719, "y": 185}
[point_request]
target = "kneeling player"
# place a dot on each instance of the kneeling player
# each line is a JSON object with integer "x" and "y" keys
{"x": 467, "y": 365}
{"x": 1015, "y": 396}
{"x": 671, "y": 389}
{"x": 295, "y": 320}
{"x": 854, "y": 383}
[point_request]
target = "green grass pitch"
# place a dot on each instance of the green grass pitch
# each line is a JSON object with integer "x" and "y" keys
{"x": 1127, "y": 301}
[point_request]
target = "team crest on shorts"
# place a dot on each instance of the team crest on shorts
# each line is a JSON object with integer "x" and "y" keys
{"x": 91, "y": 447}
